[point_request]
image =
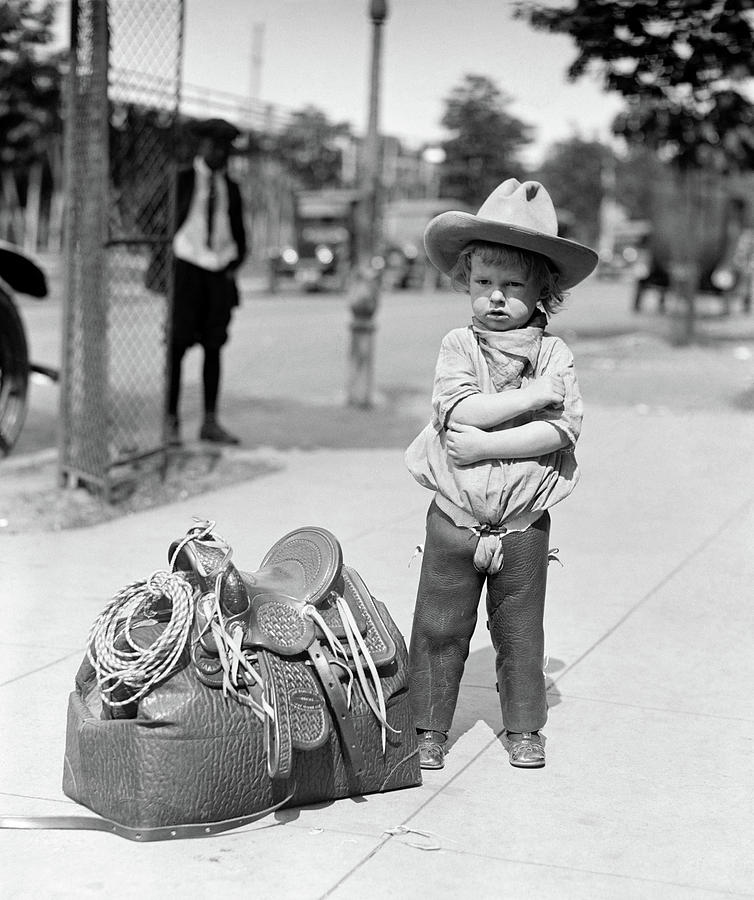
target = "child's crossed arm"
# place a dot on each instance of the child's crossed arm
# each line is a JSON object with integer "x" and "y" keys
{"x": 468, "y": 440}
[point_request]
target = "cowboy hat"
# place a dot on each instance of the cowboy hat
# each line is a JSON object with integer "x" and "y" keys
{"x": 519, "y": 215}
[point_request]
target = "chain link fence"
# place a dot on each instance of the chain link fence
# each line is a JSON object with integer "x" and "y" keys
{"x": 121, "y": 140}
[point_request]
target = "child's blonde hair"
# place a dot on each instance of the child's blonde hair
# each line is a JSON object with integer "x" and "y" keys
{"x": 533, "y": 264}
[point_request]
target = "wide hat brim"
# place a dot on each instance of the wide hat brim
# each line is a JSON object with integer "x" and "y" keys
{"x": 447, "y": 234}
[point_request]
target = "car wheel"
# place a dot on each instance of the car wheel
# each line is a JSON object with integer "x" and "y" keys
{"x": 14, "y": 373}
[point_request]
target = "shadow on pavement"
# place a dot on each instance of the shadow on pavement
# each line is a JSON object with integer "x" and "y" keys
{"x": 478, "y": 699}
{"x": 285, "y": 423}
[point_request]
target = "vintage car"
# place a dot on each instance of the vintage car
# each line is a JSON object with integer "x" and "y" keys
{"x": 18, "y": 273}
{"x": 718, "y": 252}
{"x": 322, "y": 253}
{"x": 404, "y": 222}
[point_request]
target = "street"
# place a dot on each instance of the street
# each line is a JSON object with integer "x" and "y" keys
{"x": 285, "y": 365}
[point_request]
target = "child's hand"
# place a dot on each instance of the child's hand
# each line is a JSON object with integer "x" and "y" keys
{"x": 465, "y": 444}
{"x": 547, "y": 390}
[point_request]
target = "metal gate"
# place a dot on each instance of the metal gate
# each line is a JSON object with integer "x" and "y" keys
{"x": 121, "y": 128}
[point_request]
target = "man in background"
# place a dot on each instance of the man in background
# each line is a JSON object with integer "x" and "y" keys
{"x": 209, "y": 245}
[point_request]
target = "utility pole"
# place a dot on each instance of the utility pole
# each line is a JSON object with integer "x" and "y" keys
{"x": 367, "y": 282}
{"x": 257, "y": 57}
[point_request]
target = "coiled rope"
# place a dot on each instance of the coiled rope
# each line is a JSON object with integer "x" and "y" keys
{"x": 137, "y": 668}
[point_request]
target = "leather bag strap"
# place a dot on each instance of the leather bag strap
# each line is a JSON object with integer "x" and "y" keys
{"x": 141, "y": 835}
{"x": 339, "y": 703}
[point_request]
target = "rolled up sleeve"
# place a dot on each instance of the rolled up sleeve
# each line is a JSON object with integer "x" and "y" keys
{"x": 455, "y": 379}
{"x": 567, "y": 419}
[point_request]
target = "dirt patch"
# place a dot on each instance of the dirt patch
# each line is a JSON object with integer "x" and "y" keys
{"x": 32, "y": 501}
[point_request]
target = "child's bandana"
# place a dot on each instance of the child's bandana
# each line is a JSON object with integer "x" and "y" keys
{"x": 508, "y": 354}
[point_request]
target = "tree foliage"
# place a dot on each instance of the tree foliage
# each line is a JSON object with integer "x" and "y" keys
{"x": 30, "y": 81}
{"x": 680, "y": 64}
{"x": 636, "y": 176}
{"x": 309, "y": 147}
{"x": 572, "y": 171}
{"x": 485, "y": 140}
{"x": 579, "y": 174}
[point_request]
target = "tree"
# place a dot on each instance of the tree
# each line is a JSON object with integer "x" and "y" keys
{"x": 682, "y": 66}
{"x": 309, "y": 147}
{"x": 581, "y": 174}
{"x": 485, "y": 140}
{"x": 30, "y": 82}
{"x": 573, "y": 173}
{"x": 636, "y": 172}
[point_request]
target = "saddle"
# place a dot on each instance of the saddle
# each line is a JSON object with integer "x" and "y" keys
{"x": 211, "y": 695}
{"x": 252, "y": 631}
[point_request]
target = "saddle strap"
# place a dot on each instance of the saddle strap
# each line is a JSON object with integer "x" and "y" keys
{"x": 141, "y": 835}
{"x": 339, "y": 704}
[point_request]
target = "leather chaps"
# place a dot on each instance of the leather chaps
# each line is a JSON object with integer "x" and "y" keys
{"x": 446, "y": 613}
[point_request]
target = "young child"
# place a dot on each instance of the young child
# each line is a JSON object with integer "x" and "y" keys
{"x": 498, "y": 453}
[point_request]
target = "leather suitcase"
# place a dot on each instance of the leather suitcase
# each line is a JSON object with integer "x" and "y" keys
{"x": 189, "y": 754}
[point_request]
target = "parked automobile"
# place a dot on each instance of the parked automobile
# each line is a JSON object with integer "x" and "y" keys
{"x": 404, "y": 222}
{"x": 20, "y": 274}
{"x": 722, "y": 264}
{"x": 322, "y": 252}
{"x": 627, "y": 253}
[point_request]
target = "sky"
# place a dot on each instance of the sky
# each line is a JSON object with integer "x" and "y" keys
{"x": 317, "y": 52}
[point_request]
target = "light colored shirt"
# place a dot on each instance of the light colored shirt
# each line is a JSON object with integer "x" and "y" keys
{"x": 192, "y": 242}
{"x": 499, "y": 492}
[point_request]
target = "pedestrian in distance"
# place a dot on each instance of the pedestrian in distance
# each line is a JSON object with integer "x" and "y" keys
{"x": 734, "y": 274}
{"x": 209, "y": 245}
{"x": 497, "y": 453}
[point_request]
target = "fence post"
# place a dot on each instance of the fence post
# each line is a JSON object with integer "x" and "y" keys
{"x": 119, "y": 167}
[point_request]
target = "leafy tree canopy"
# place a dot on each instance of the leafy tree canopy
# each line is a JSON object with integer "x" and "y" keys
{"x": 30, "y": 81}
{"x": 309, "y": 146}
{"x": 572, "y": 172}
{"x": 485, "y": 140}
{"x": 681, "y": 64}
{"x": 579, "y": 173}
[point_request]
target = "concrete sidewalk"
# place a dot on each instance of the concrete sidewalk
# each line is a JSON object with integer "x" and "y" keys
{"x": 647, "y": 788}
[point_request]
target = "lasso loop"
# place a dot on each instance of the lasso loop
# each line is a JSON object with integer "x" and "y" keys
{"x": 137, "y": 668}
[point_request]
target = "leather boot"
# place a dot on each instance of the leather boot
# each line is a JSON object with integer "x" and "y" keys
{"x": 214, "y": 432}
{"x": 431, "y": 749}
{"x": 525, "y": 750}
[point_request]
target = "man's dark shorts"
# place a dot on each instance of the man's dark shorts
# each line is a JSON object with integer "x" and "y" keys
{"x": 202, "y": 307}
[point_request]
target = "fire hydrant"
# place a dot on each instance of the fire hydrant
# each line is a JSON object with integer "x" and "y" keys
{"x": 364, "y": 303}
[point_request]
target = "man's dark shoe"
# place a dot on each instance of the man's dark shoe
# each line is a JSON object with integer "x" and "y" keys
{"x": 214, "y": 432}
{"x": 173, "y": 432}
{"x": 525, "y": 750}
{"x": 431, "y": 752}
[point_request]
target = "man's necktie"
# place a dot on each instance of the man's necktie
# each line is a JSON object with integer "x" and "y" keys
{"x": 211, "y": 209}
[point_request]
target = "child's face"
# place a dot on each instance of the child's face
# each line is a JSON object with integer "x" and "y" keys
{"x": 502, "y": 297}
